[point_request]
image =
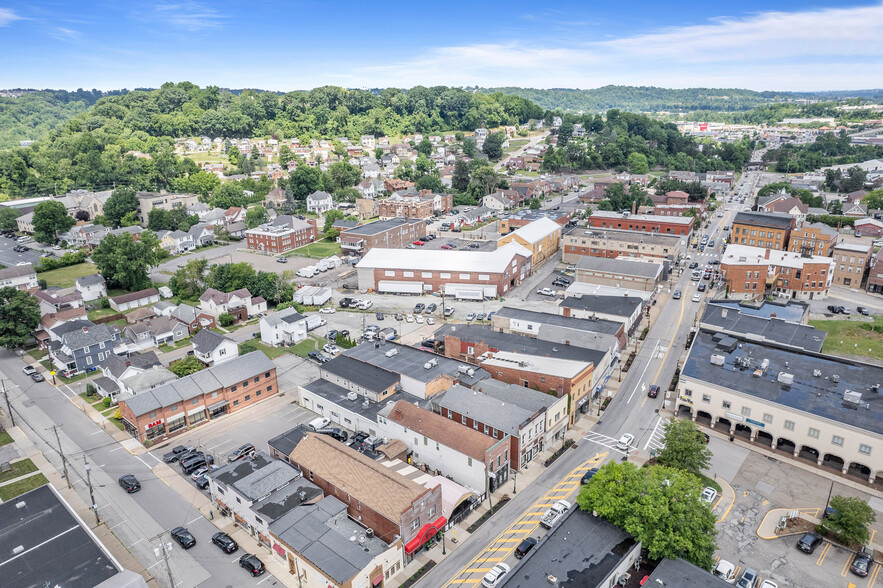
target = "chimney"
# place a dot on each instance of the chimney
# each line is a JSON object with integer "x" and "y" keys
{"x": 766, "y": 254}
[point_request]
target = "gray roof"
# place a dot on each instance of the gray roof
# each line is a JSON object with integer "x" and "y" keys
{"x": 527, "y": 398}
{"x": 382, "y": 225}
{"x": 582, "y": 550}
{"x": 287, "y": 441}
{"x": 149, "y": 378}
{"x": 16, "y": 271}
{"x": 206, "y": 340}
{"x": 321, "y": 534}
{"x": 818, "y": 395}
{"x": 286, "y": 315}
{"x": 365, "y": 375}
{"x": 116, "y": 365}
{"x": 185, "y": 313}
{"x": 775, "y": 330}
{"x": 410, "y": 362}
{"x": 338, "y": 395}
{"x": 285, "y": 499}
{"x": 775, "y": 220}
{"x": 90, "y": 280}
{"x": 89, "y": 335}
{"x": 518, "y": 343}
{"x": 202, "y": 382}
{"x": 106, "y": 384}
{"x": 75, "y": 325}
{"x": 627, "y": 236}
{"x": 678, "y": 572}
{"x": 256, "y": 477}
{"x": 791, "y": 310}
{"x": 509, "y": 418}
{"x": 594, "y": 325}
{"x": 623, "y": 267}
{"x": 617, "y": 305}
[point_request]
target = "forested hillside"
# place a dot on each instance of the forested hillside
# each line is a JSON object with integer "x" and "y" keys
{"x": 32, "y": 115}
{"x": 89, "y": 150}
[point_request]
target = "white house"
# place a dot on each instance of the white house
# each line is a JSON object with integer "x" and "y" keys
{"x": 319, "y": 202}
{"x": 91, "y": 287}
{"x": 215, "y": 303}
{"x": 368, "y": 141}
{"x": 22, "y": 277}
{"x": 285, "y": 327}
{"x": 212, "y": 348}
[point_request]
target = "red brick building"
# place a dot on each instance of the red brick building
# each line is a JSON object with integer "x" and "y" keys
{"x": 394, "y": 233}
{"x": 283, "y": 234}
{"x": 172, "y": 408}
{"x": 411, "y": 204}
{"x": 751, "y": 272}
{"x": 675, "y": 225}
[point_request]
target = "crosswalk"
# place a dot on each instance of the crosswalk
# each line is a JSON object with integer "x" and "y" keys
{"x": 605, "y": 441}
{"x": 656, "y": 441}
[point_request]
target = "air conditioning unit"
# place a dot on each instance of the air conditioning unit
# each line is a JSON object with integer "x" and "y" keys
{"x": 785, "y": 378}
{"x": 352, "y": 396}
{"x": 392, "y": 353}
{"x": 717, "y": 359}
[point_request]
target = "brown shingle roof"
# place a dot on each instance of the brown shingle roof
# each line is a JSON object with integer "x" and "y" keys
{"x": 456, "y": 436}
{"x": 372, "y": 484}
{"x": 123, "y": 298}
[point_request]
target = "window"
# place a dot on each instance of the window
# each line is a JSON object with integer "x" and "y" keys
{"x": 726, "y": 404}
{"x": 465, "y": 276}
{"x": 866, "y": 449}
{"x": 174, "y": 407}
{"x": 746, "y": 411}
{"x": 767, "y": 417}
{"x": 837, "y": 440}
{"x": 463, "y": 419}
{"x": 475, "y": 425}
{"x": 257, "y": 379}
{"x": 153, "y": 414}
{"x": 789, "y": 425}
{"x": 247, "y": 397}
{"x": 267, "y": 375}
{"x": 235, "y": 403}
{"x": 706, "y": 398}
{"x": 470, "y": 461}
{"x": 258, "y": 393}
{"x": 485, "y": 430}
{"x": 233, "y": 389}
{"x": 484, "y": 277}
{"x": 445, "y": 276}
{"x": 415, "y": 524}
{"x": 425, "y": 274}
{"x": 408, "y": 274}
{"x": 389, "y": 273}
{"x": 195, "y": 401}
{"x": 269, "y": 388}
{"x": 425, "y": 440}
{"x": 814, "y": 433}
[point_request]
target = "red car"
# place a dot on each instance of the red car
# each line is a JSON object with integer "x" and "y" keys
{"x": 446, "y": 246}
{"x": 419, "y": 243}
{"x": 653, "y": 392}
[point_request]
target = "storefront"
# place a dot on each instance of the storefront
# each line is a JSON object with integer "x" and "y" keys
{"x": 218, "y": 409}
{"x": 196, "y": 415}
{"x": 175, "y": 422}
{"x": 426, "y": 532}
{"x": 155, "y": 429}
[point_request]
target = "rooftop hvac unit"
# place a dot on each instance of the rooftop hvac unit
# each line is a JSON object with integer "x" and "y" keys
{"x": 470, "y": 372}
{"x": 786, "y": 378}
{"x": 392, "y": 353}
{"x": 430, "y": 364}
{"x": 852, "y": 397}
{"x": 758, "y": 373}
{"x": 835, "y": 378}
{"x": 463, "y": 369}
{"x": 717, "y": 359}
{"x": 366, "y": 404}
{"x": 764, "y": 364}
{"x": 369, "y": 533}
{"x": 817, "y": 373}
{"x": 352, "y": 396}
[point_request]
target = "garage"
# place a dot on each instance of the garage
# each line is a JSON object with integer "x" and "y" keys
{"x": 400, "y": 287}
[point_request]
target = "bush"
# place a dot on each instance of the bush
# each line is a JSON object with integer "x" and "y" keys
{"x": 106, "y": 402}
{"x": 225, "y": 319}
{"x": 41, "y": 284}
{"x": 90, "y": 390}
{"x": 104, "y": 303}
{"x": 248, "y": 347}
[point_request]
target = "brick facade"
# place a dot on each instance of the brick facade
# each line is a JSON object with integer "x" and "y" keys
{"x": 813, "y": 240}
{"x": 280, "y": 240}
{"x": 613, "y": 244}
{"x": 850, "y": 263}
{"x": 795, "y": 276}
{"x": 644, "y": 223}
{"x": 414, "y": 206}
{"x": 398, "y": 235}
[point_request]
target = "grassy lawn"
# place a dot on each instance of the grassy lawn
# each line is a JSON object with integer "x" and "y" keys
{"x": 50, "y": 367}
{"x": 5, "y": 438}
{"x": 178, "y": 345}
{"x": 304, "y": 347}
{"x": 477, "y": 226}
{"x": 38, "y": 354}
{"x": 318, "y": 250}
{"x": 19, "y": 468}
{"x": 206, "y": 156}
{"x": 270, "y": 351}
{"x": 706, "y": 481}
{"x": 66, "y": 276}
{"x": 852, "y": 337}
{"x": 14, "y": 489}
{"x": 100, "y": 312}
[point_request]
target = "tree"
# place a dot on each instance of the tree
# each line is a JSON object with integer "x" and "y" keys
{"x": 638, "y": 163}
{"x": 424, "y": 147}
{"x": 405, "y": 170}
{"x": 185, "y": 367}
{"x": 82, "y": 215}
{"x": 7, "y": 218}
{"x": 535, "y": 204}
{"x": 378, "y": 152}
{"x": 304, "y": 181}
{"x": 226, "y": 195}
{"x": 685, "y": 447}
{"x": 340, "y": 175}
{"x": 493, "y": 146}
{"x": 469, "y": 147}
{"x": 124, "y": 262}
{"x": 658, "y": 506}
{"x": 835, "y": 207}
{"x": 873, "y": 199}
{"x": 121, "y": 202}
{"x": 429, "y": 182}
{"x": 331, "y": 216}
{"x": 255, "y": 216}
{"x": 202, "y": 183}
{"x": 460, "y": 180}
{"x": 19, "y": 317}
{"x": 50, "y": 219}
{"x": 854, "y": 180}
{"x": 189, "y": 281}
{"x": 850, "y": 518}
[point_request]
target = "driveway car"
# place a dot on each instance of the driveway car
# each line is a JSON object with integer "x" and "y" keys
{"x": 317, "y": 357}
{"x": 330, "y": 349}
{"x": 183, "y": 537}
{"x": 653, "y": 392}
{"x": 708, "y": 495}
{"x": 251, "y": 563}
{"x": 241, "y": 452}
{"x": 809, "y": 542}
{"x": 495, "y": 577}
{"x": 749, "y": 579}
{"x": 225, "y": 542}
{"x": 625, "y": 441}
{"x": 129, "y": 483}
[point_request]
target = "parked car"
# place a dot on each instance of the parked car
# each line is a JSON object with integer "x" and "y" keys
{"x": 335, "y": 433}
{"x": 251, "y": 563}
{"x": 546, "y": 292}
{"x": 409, "y": 318}
{"x": 524, "y": 547}
{"x": 29, "y": 370}
{"x": 862, "y": 562}
{"x": 317, "y": 357}
{"x": 769, "y": 584}
{"x": 833, "y": 308}
{"x": 725, "y": 571}
{"x": 418, "y": 308}
{"x": 449, "y": 310}
{"x": 175, "y": 454}
{"x": 749, "y": 579}
{"x": 862, "y": 310}
{"x": 202, "y": 482}
{"x": 38, "y": 377}
{"x": 196, "y": 463}
{"x": 281, "y": 260}
{"x": 418, "y": 242}
{"x": 418, "y": 318}
{"x": 319, "y": 423}
{"x": 470, "y": 317}
{"x": 447, "y": 246}
{"x": 495, "y": 576}
{"x": 129, "y": 483}
{"x": 225, "y": 542}
{"x": 676, "y": 295}
{"x": 431, "y": 308}
{"x": 327, "y": 310}
{"x": 708, "y": 495}
{"x": 241, "y": 452}
{"x": 379, "y": 316}
{"x": 587, "y": 477}
{"x": 480, "y": 316}
{"x": 554, "y": 514}
{"x": 809, "y": 542}
{"x": 183, "y": 537}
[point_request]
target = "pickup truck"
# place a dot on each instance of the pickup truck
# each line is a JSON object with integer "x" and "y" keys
{"x": 555, "y": 512}
{"x": 173, "y": 455}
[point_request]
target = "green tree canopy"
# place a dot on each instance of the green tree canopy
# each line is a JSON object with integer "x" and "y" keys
{"x": 226, "y": 195}
{"x": 8, "y": 216}
{"x": 121, "y": 202}
{"x": 50, "y": 219}
{"x": 186, "y": 366}
{"x": 256, "y": 216}
{"x": 850, "y": 519}
{"x": 460, "y": 180}
{"x": 493, "y": 146}
{"x": 638, "y": 163}
{"x": 202, "y": 183}
{"x": 124, "y": 262}
{"x": 331, "y": 216}
{"x": 685, "y": 447}
{"x": 19, "y": 317}
{"x": 873, "y": 200}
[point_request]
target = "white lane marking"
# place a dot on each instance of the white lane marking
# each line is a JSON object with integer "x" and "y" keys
{"x": 641, "y": 379}
{"x": 153, "y": 564}
{"x": 118, "y": 524}
{"x": 135, "y": 543}
{"x": 117, "y": 449}
{"x": 264, "y": 580}
{"x": 156, "y": 458}
{"x": 194, "y": 520}
{"x": 96, "y": 432}
{"x": 656, "y": 437}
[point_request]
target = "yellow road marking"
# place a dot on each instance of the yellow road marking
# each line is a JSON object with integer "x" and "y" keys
{"x": 469, "y": 581}
{"x": 871, "y": 538}
{"x": 848, "y": 563}
{"x": 507, "y": 540}
{"x": 480, "y": 570}
{"x": 873, "y": 576}
{"x": 822, "y": 555}
{"x": 495, "y": 559}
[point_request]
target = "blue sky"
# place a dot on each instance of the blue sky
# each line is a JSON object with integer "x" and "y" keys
{"x": 289, "y": 45}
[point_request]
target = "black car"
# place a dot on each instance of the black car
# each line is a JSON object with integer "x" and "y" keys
{"x": 129, "y": 483}
{"x": 244, "y": 450}
{"x": 225, "y": 542}
{"x": 251, "y": 563}
{"x": 834, "y": 309}
{"x": 524, "y": 547}
{"x": 588, "y": 476}
{"x": 334, "y": 432}
{"x": 861, "y": 564}
{"x": 202, "y": 482}
{"x": 316, "y": 356}
{"x": 862, "y": 310}
{"x": 653, "y": 392}
{"x": 379, "y": 316}
{"x": 183, "y": 537}
{"x": 176, "y": 453}
{"x": 701, "y": 287}
{"x": 809, "y": 542}
{"x": 194, "y": 463}
{"x": 694, "y": 265}
{"x": 332, "y": 335}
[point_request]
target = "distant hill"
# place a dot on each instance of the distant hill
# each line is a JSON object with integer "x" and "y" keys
{"x": 29, "y": 115}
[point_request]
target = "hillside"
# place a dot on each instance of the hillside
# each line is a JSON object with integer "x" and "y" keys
{"x": 32, "y": 115}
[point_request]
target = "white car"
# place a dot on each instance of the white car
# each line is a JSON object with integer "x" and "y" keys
{"x": 330, "y": 349}
{"x": 409, "y": 318}
{"x": 365, "y": 304}
{"x": 625, "y": 441}
{"x": 708, "y": 495}
{"x": 56, "y": 247}
{"x": 546, "y": 292}
{"x": 697, "y": 297}
{"x": 327, "y": 310}
{"x": 769, "y": 584}
{"x": 495, "y": 577}
{"x": 430, "y": 321}
{"x": 419, "y": 319}
{"x": 725, "y": 571}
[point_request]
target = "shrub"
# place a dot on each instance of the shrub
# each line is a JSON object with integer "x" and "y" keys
{"x": 90, "y": 390}
{"x": 106, "y": 402}
{"x": 225, "y": 319}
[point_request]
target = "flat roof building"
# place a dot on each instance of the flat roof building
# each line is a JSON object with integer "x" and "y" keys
{"x": 616, "y": 243}
{"x": 648, "y": 223}
{"x": 627, "y": 272}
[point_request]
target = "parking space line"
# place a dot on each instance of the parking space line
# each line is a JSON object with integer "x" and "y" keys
{"x": 872, "y": 577}
{"x": 824, "y": 553}
{"x": 194, "y": 520}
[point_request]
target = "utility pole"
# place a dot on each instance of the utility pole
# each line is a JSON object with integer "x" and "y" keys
{"x": 91, "y": 493}
{"x": 164, "y": 548}
{"x": 63, "y": 458}
{"x": 8, "y": 405}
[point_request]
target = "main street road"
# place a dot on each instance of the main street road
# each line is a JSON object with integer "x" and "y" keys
{"x": 134, "y": 518}
{"x": 630, "y": 411}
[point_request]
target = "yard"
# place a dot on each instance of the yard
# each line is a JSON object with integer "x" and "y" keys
{"x": 846, "y": 337}
{"x": 19, "y": 487}
{"x": 19, "y": 468}
{"x": 65, "y": 277}
{"x": 304, "y": 347}
{"x": 318, "y": 250}
{"x": 516, "y": 144}
{"x": 254, "y": 345}
{"x": 5, "y": 438}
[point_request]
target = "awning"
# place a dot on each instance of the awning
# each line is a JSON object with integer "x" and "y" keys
{"x": 195, "y": 410}
{"x": 378, "y": 580}
{"x": 218, "y": 405}
{"x": 426, "y": 532}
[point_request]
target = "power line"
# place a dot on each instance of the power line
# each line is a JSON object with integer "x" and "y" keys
{"x": 63, "y": 458}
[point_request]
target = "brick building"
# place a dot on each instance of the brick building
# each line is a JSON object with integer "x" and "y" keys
{"x": 461, "y": 274}
{"x": 851, "y": 261}
{"x": 813, "y": 239}
{"x": 675, "y": 225}
{"x": 875, "y": 275}
{"x": 615, "y": 243}
{"x": 753, "y": 271}
{"x": 173, "y": 407}
{"x": 378, "y": 497}
{"x": 283, "y": 234}
{"x": 524, "y": 217}
{"x": 762, "y": 229}
{"x": 394, "y": 233}
{"x": 411, "y": 204}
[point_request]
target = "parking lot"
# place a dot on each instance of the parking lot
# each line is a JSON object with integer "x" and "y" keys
{"x": 9, "y": 258}
{"x": 458, "y": 243}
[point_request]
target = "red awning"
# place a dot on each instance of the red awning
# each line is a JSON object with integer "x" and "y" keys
{"x": 427, "y": 531}
{"x": 378, "y": 580}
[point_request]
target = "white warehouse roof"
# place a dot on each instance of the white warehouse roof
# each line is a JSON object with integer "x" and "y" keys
{"x": 443, "y": 260}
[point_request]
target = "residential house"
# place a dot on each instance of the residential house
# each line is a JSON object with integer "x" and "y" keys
{"x": 869, "y": 227}
{"x": 83, "y": 349}
{"x": 368, "y": 141}
{"x": 53, "y": 301}
{"x": 856, "y": 210}
{"x": 319, "y": 202}
{"x": 497, "y": 202}
{"x": 212, "y": 348}
{"x": 366, "y": 208}
{"x": 155, "y": 332}
{"x": 201, "y": 235}
{"x": 21, "y": 277}
{"x": 284, "y": 327}
{"x": 132, "y": 300}
{"x": 239, "y": 303}
{"x": 91, "y": 287}
{"x": 55, "y": 320}
{"x": 236, "y": 214}
{"x": 192, "y": 318}
{"x": 116, "y": 369}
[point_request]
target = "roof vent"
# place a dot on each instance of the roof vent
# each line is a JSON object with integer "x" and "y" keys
{"x": 852, "y": 398}
{"x": 392, "y": 353}
{"x": 369, "y": 533}
{"x": 18, "y": 550}
{"x": 302, "y": 495}
{"x": 470, "y": 372}
{"x": 366, "y": 404}
{"x": 717, "y": 359}
{"x": 817, "y": 373}
{"x": 20, "y": 504}
{"x": 835, "y": 378}
{"x": 764, "y": 364}
{"x": 352, "y": 396}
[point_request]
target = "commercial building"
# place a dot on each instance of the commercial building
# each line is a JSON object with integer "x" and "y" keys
{"x": 785, "y": 332}
{"x": 762, "y": 229}
{"x": 541, "y": 238}
{"x": 624, "y": 272}
{"x": 469, "y": 342}
{"x": 460, "y": 274}
{"x": 199, "y": 397}
{"x": 875, "y": 275}
{"x": 411, "y": 204}
{"x": 613, "y": 244}
{"x": 522, "y": 218}
{"x": 393, "y": 233}
{"x": 753, "y": 271}
{"x": 811, "y": 407}
{"x": 813, "y": 239}
{"x": 147, "y": 201}
{"x": 647, "y": 223}
{"x": 598, "y": 334}
{"x": 20, "y": 277}
{"x": 678, "y": 572}
{"x": 555, "y": 409}
{"x": 283, "y": 234}
{"x": 851, "y": 261}
{"x": 623, "y": 309}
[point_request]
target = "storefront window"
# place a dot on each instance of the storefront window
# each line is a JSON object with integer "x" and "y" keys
{"x": 178, "y": 423}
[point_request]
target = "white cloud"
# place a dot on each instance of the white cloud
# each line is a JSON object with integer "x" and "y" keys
{"x": 65, "y": 34}
{"x": 835, "y": 48}
{"x": 7, "y": 16}
{"x": 189, "y": 16}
